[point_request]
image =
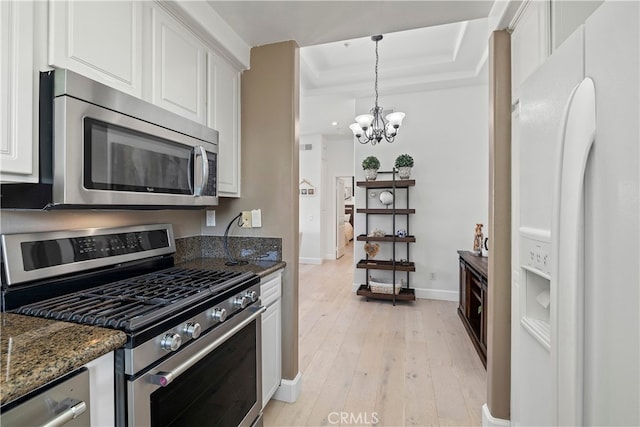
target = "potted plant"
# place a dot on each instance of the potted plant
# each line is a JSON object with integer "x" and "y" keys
{"x": 370, "y": 165}
{"x": 404, "y": 163}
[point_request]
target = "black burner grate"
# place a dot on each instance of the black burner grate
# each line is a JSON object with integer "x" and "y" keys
{"x": 136, "y": 302}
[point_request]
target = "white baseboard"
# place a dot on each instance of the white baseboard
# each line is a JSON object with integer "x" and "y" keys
{"x": 289, "y": 390}
{"x": 436, "y": 294}
{"x": 489, "y": 420}
{"x": 305, "y": 260}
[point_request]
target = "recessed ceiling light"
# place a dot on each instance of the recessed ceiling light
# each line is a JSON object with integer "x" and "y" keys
{"x": 334, "y": 123}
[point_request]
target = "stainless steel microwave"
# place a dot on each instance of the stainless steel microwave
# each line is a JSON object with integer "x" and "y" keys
{"x": 101, "y": 148}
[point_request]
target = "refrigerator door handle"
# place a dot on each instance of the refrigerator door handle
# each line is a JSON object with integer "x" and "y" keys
{"x": 567, "y": 276}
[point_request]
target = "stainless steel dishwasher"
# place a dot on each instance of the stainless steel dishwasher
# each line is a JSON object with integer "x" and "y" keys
{"x": 61, "y": 402}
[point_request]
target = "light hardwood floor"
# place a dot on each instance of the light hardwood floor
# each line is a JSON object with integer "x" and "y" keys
{"x": 369, "y": 363}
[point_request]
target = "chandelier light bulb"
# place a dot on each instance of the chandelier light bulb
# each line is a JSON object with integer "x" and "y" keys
{"x": 395, "y": 119}
{"x": 374, "y": 127}
{"x": 356, "y": 129}
{"x": 391, "y": 130}
{"x": 364, "y": 121}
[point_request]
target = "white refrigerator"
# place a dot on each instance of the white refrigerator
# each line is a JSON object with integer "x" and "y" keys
{"x": 576, "y": 334}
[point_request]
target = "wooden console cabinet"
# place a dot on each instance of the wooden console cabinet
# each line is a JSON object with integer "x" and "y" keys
{"x": 473, "y": 299}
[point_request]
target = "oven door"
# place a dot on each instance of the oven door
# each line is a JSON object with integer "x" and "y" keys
{"x": 214, "y": 381}
{"x": 104, "y": 157}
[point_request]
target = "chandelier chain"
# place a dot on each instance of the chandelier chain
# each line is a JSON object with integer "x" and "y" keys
{"x": 376, "y": 85}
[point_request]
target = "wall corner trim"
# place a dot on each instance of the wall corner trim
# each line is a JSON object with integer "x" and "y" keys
{"x": 289, "y": 390}
{"x": 489, "y": 420}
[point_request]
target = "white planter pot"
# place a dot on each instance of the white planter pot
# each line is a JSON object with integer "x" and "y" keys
{"x": 404, "y": 172}
{"x": 370, "y": 174}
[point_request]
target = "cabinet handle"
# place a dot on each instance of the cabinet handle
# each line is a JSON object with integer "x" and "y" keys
{"x": 67, "y": 415}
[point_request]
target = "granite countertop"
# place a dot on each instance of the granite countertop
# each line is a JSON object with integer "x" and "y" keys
{"x": 261, "y": 268}
{"x": 36, "y": 351}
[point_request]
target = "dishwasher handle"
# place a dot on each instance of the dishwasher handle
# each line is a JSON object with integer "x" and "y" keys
{"x": 72, "y": 412}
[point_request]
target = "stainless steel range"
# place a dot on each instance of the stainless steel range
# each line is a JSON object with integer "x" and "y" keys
{"x": 192, "y": 355}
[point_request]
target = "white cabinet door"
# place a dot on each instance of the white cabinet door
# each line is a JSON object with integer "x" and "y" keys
{"x": 101, "y": 386}
{"x": 270, "y": 295}
{"x": 271, "y": 358}
{"x": 17, "y": 76}
{"x": 529, "y": 43}
{"x": 178, "y": 67}
{"x": 98, "y": 39}
{"x": 223, "y": 107}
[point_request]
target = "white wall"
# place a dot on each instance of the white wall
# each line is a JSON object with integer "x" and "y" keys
{"x": 310, "y": 217}
{"x": 327, "y": 160}
{"x": 446, "y": 132}
{"x": 317, "y": 113}
{"x": 335, "y": 154}
{"x": 337, "y": 158}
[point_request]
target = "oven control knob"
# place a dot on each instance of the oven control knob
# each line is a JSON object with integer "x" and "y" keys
{"x": 219, "y": 315}
{"x": 171, "y": 342}
{"x": 251, "y": 295}
{"x": 193, "y": 330}
{"x": 240, "y": 302}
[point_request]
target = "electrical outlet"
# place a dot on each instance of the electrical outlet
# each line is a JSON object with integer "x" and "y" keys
{"x": 246, "y": 219}
{"x": 433, "y": 275}
{"x": 211, "y": 218}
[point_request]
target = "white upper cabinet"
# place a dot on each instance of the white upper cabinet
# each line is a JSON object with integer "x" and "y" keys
{"x": 152, "y": 52}
{"x": 530, "y": 42}
{"x": 17, "y": 78}
{"x": 223, "y": 108}
{"x": 178, "y": 67}
{"x": 99, "y": 39}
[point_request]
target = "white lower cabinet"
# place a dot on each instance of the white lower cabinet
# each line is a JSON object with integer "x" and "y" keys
{"x": 270, "y": 294}
{"x": 17, "y": 142}
{"x": 101, "y": 387}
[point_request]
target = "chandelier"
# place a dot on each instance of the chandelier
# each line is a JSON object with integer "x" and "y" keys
{"x": 373, "y": 127}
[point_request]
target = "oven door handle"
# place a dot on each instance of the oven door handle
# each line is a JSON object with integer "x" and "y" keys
{"x": 66, "y": 416}
{"x": 163, "y": 379}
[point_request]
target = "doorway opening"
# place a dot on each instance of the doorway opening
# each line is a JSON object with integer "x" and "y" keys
{"x": 344, "y": 213}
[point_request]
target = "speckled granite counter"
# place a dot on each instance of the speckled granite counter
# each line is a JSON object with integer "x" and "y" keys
{"x": 261, "y": 268}
{"x": 35, "y": 351}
